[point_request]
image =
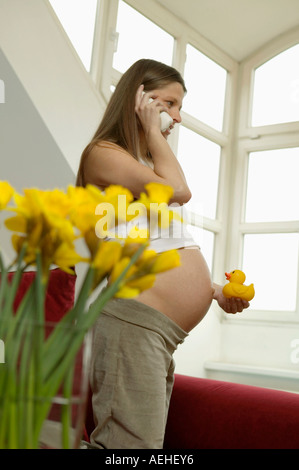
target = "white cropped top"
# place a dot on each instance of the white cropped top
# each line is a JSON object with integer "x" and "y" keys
{"x": 172, "y": 237}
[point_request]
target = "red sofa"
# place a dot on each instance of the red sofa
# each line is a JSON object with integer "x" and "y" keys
{"x": 213, "y": 414}
{"x": 204, "y": 413}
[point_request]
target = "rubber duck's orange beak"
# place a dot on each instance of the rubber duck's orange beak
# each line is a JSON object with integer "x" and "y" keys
{"x": 228, "y": 276}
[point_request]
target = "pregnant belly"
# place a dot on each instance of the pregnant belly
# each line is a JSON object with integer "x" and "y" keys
{"x": 184, "y": 293}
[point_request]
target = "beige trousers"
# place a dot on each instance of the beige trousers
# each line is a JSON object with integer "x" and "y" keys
{"x": 132, "y": 375}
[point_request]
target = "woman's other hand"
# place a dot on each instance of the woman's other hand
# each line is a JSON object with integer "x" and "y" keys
{"x": 232, "y": 305}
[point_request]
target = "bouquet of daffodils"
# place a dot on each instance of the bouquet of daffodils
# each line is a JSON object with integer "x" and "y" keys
{"x": 45, "y": 226}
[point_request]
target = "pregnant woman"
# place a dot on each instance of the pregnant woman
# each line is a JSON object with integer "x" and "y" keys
{"x": 132, "y": 367}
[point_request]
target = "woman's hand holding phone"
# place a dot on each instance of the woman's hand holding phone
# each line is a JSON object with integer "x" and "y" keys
{"x": 142, "y": 100}
{"x": 165, "y": 119}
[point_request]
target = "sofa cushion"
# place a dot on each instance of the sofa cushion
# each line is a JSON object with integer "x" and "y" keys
{"x": 214, "y": 414}
{"x": 60, "y": 292}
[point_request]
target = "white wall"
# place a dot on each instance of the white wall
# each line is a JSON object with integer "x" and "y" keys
{"x": 203, "y": 344}
{"x": 29, "y": 156}
{"x": 51, "y": 73}
{"x": 51, "y": 107}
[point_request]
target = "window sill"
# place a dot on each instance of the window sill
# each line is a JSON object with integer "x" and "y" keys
{"x": 280, "y": 379}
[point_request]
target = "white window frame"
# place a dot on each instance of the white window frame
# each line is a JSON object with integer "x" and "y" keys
{"x": 104, "y": 75}
{"x": 237, "y": 139}
{"x": 275, "y": 47}
{"x": 259, "y": 138}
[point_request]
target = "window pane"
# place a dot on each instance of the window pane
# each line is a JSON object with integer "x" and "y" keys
{"x": 276, "y": 89}
{"x": 270, "y": 261}
{"x": 273, "y": 189}
{"x": 206, "y": 83}
{"x": 205, "y": 239}
{"x": 139, "y": 38}
{"x": 78, "y": 20}
{"x": 200, "y": 160}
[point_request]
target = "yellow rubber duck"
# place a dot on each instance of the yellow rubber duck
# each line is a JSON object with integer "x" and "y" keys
{"x": 235, "y": 287}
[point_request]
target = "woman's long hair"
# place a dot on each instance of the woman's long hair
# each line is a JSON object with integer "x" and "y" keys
{"x": 120, "y": 124}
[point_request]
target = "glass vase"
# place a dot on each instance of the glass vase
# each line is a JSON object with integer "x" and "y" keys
{"x": 64, "y": 426}
{"x": 37, "y": 409}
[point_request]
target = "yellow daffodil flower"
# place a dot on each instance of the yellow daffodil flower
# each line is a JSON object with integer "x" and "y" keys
{"x": 46, "y": 226}
{"x": 119, "y": 267}
{"x": 17, "y": 223}
{"x": 112, "y": 195}
{"x": 107, "y": 256}
{"x": 126, "y": 292}
{"x": 133, "y": 288}
{"x": 6, "y": 193}
{"x": 142, "y": 274}
{"x": 155, "y": 202}
{"x": 99, "y": 210}
{"x": 18, "y": 242}
{"x": 50, "y": 221}
{"x": 165, "y": 261}
{"x": 159, "y": 192}
{"x": 66, "y": 256}
{"x": 42, "y": 223}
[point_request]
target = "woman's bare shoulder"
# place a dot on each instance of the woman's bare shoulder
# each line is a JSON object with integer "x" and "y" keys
{"x": 104, "y": 147}
{"x": 106, "y": 153}
{"x": 108, "y": 163}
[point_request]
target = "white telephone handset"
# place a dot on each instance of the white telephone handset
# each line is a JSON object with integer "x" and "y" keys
{"x": 165, "y": 119}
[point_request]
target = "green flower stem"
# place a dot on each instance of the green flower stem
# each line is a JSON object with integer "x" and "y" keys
{"x": 76, "y": 335}
{"x": 25, "y": 375}
{"x": 12, "y": 425}
{"x": 10, "y": 385}
{"x": 17, "y": 384}
{"x": 86, "y": 321}
{"x": 36, "y": 367}
{"x": 56, "y": 347}
{"x": 66, "y": 412}
{"x": 69, "y": 319}
{"x": 3, "y": 282}
{"x": 5, "y": 422}
{"x": 18, "y": 360}
{"x": 30, "y": 442}
{"x": 14, "y": 345}
{"x": 10, "y": 289}
{"x": 38, "y": 336}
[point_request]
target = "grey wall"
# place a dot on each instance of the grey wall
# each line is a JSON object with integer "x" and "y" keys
{"x": 29, "y": 155}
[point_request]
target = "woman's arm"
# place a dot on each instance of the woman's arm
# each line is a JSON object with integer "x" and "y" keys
{"x": 166, "y": 165}
{"x": 105, "y": 166}
{"x": 111, "y": 164}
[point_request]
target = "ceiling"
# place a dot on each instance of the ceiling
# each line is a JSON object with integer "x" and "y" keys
{"x": 237, "y": 27}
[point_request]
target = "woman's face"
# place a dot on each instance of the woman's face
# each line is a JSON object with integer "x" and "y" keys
{"x": 171, "y": 96}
